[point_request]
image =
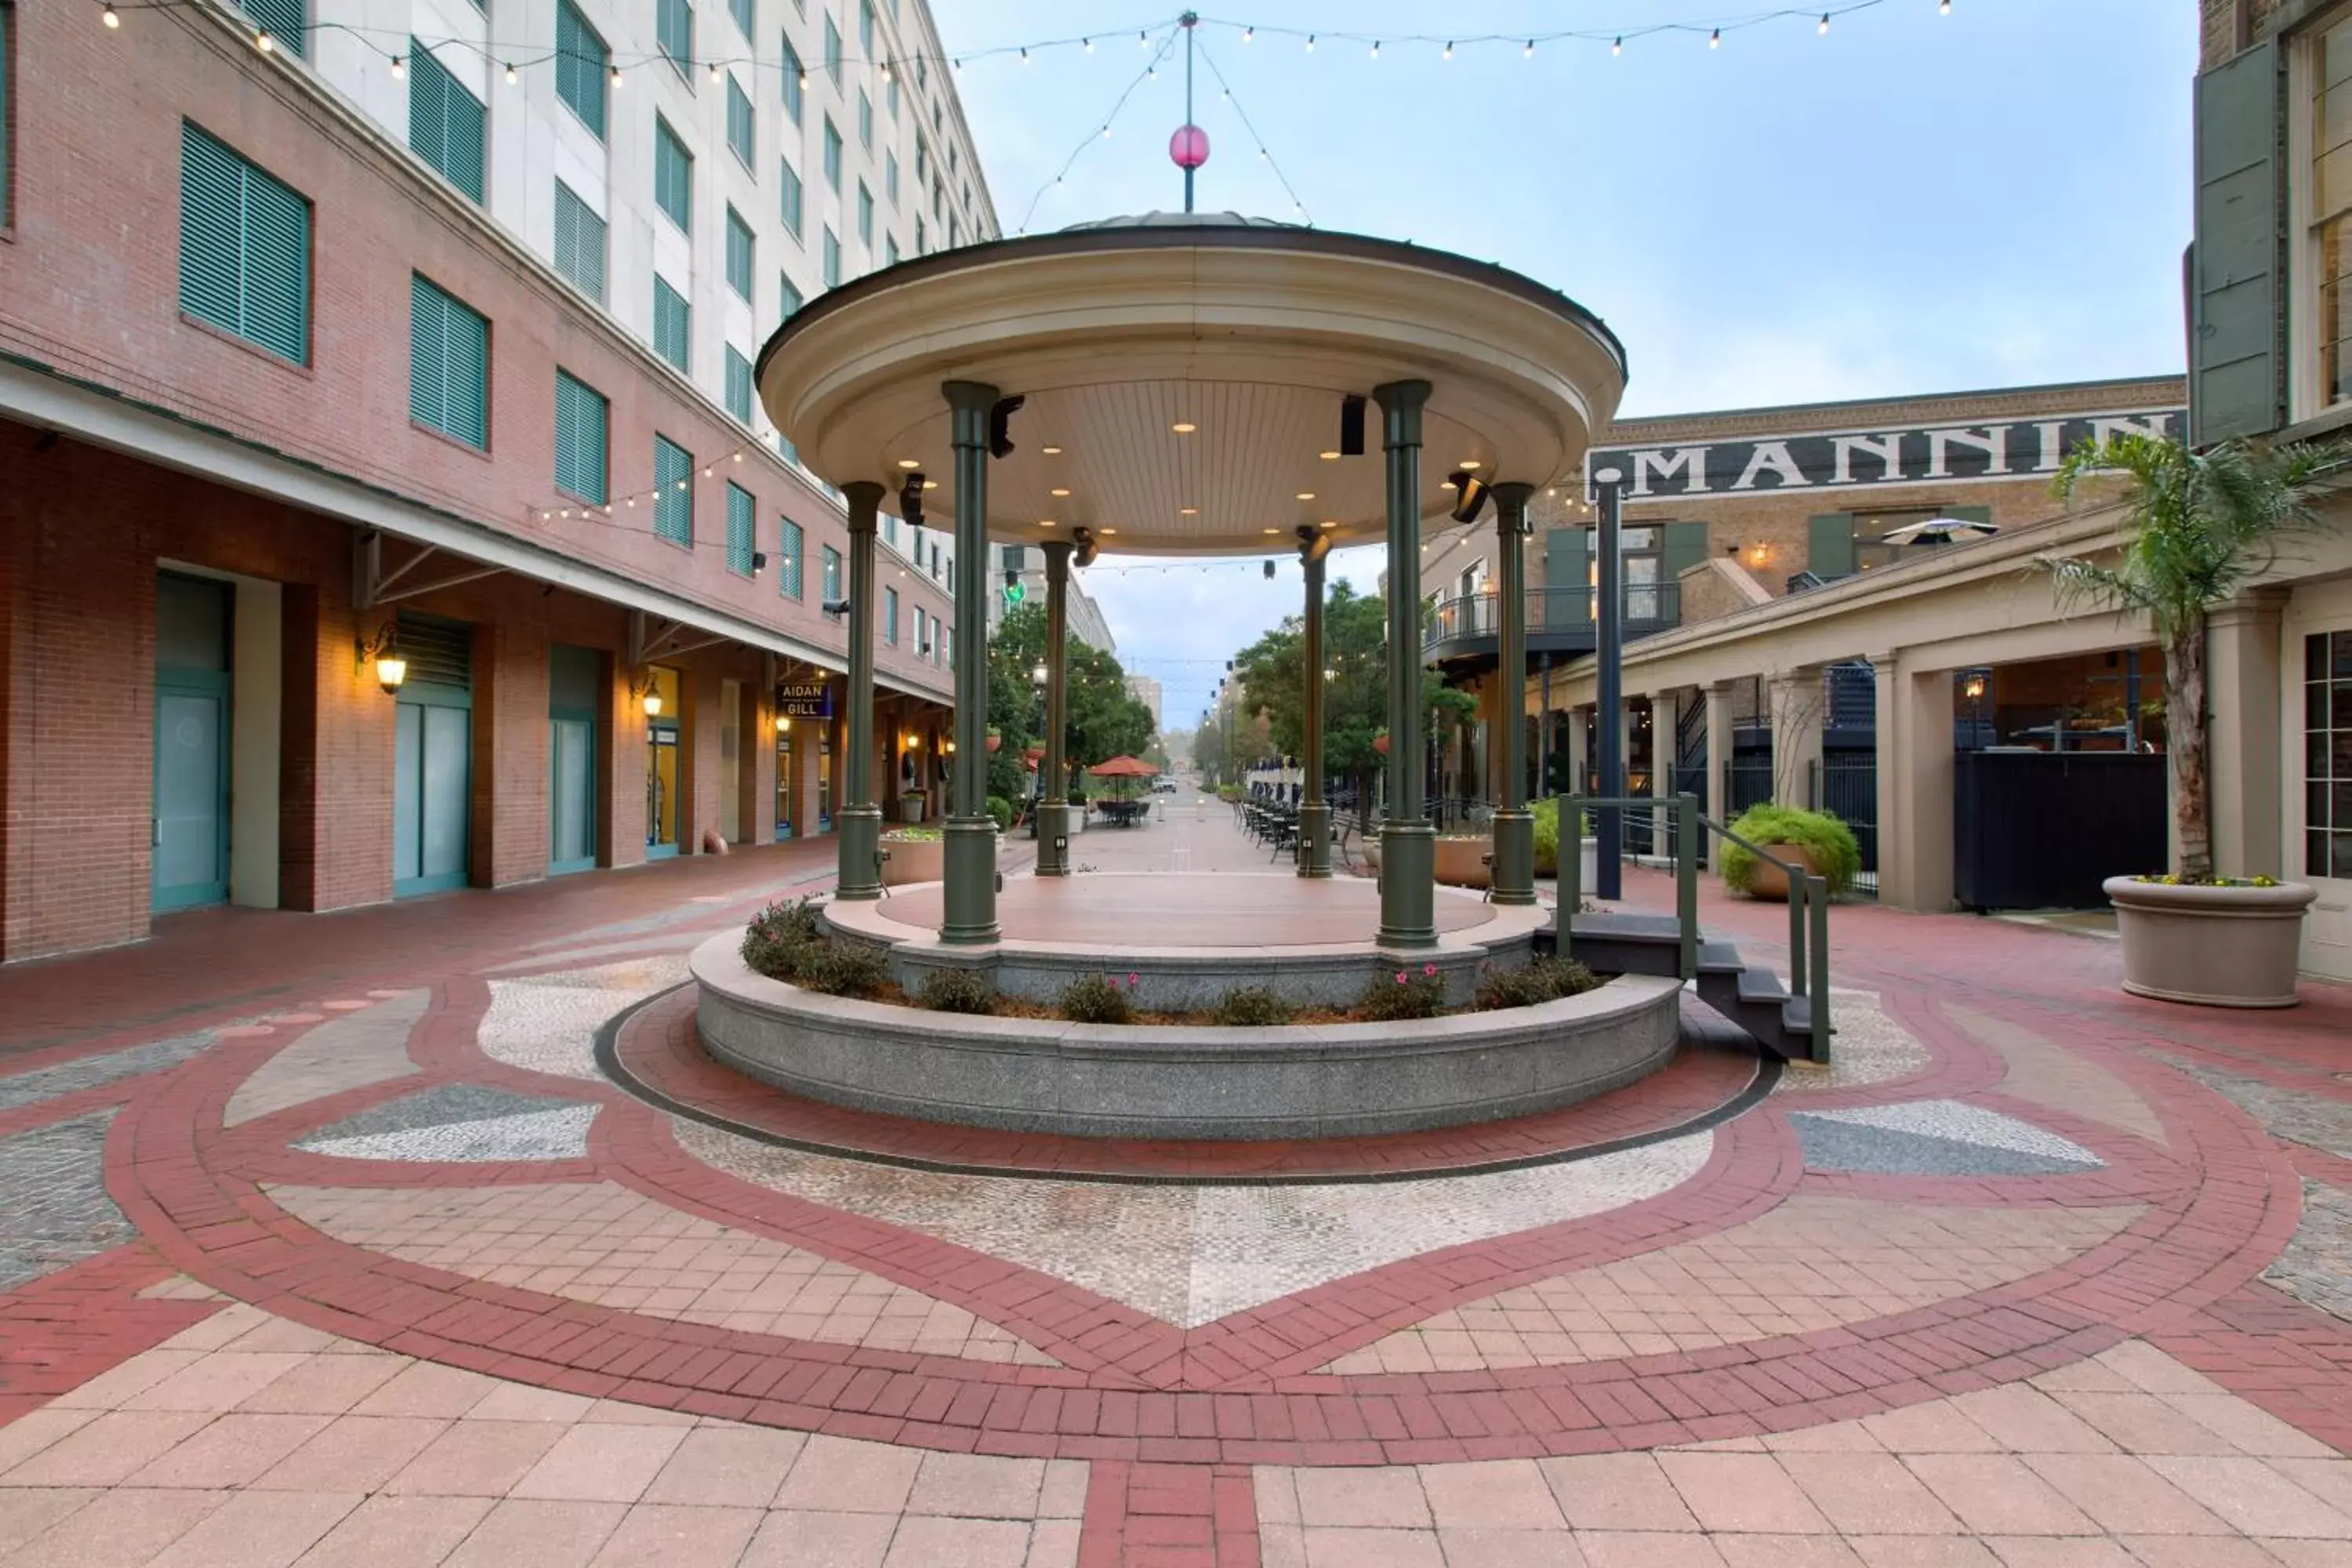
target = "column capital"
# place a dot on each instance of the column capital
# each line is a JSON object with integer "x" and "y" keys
{"x": 2264, "y": 606}
{"x": 970, "y": 402}
{"x": 864, "y": 500}
{"x": 1057, "y": 552}
{"x": 1511, "y": 498}
{"x": 1401, "y": 401}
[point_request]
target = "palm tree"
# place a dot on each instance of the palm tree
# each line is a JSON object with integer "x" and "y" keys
{"x": 2203, "y": 525}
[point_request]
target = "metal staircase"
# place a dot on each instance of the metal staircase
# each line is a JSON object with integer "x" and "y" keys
{"x": 1750, "y": 995}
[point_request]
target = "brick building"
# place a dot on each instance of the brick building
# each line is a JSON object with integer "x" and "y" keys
{"x": 322, "y": 350}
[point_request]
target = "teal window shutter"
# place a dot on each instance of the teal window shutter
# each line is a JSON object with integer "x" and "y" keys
{"x": 1829, "y": 545}
{"x": 449, "y": 365}
{"x": 446, "y": 124}
{"x": 578, "y": 243}
{"x": 1567, "y": 579}
{"x": 742, "y": 10}
{"x": 740, "y": 527}
{"x": 789, "y": 544}
{"x": 739, "y": 255}
{"x": 673, "y": 492}
{"x": 673, "y": 175}
{"x": 832, "y": 562}
{"x": 790, "y": 202}
{"x": 890, "y": 177}
{"x": 674, "y": 34}
{"x": 583, "y": 429}
{"x": 866, "y": 217}
{"x": 739, "y": 386}
{"x": 831, "y": 258}
{"x": 739, "y": 121}
{"x": 673, "y": 327}
{"x": 890, "y": 616}
{"x": 2235, "y": 384}
{"x": 832, "y": 156}
{"x": 245, "y": 248}
{"x": 795, "y": 83}
{"x": 581, "y": 61}
{"x": 791, "y": 300}
{"x": 864, "y": 120}
{"x": 285, "y": 21}
{"x": 833, "y": 51}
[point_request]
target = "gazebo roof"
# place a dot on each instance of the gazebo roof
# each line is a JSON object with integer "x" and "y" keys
{"x": 1121, "y": 331}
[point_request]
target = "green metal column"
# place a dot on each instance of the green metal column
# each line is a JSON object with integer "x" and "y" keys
{"x": 1515, "y": 826}
{"x": 970, "y": 851}
{"x": 858, "y": 822}
{"x": 1408, "y": 842}
{"x": 1052, "y": 840}
{"x": 1314, "y": 815}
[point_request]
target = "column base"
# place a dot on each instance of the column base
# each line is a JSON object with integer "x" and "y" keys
{"x": 1315, "y": 839}
{"x": 1053, "y": 832}
{"x": 1408, "y": 884}
{"x": 968, "y": 859}
{"x": 1514, "y": 873}
{"x": 859, "y": 830}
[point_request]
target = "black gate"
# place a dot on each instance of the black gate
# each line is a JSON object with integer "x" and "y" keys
{"x": 1849, "y": 792}
{"x": 2040, "y": 830}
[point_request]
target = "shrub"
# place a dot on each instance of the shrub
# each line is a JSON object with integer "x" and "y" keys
{"x": 843, "y": 969}
{"x": 1254, "y": 1007}
{"x": 1546, "y": 814}
{"x": 1396, "y": 995}
{"x": 957, "y": 991}
{"x": 778, "y": 937}
{"x": 1002, "y": 809}
{"x": 913, "y": 835}
{"x": 1828, "y": 842}
{"x": 1542, "y": 980}
{"x": 1098, "y": 999}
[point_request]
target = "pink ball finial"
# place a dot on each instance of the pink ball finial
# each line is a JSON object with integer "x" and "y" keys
{"x": 1189, "y": 148}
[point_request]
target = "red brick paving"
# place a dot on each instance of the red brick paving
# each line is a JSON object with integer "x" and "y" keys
{"x": 58, "y": 1332}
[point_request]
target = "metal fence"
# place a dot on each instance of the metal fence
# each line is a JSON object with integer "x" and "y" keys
{"x": 1847, "y": 788}
{"x": 1750, "y": 782}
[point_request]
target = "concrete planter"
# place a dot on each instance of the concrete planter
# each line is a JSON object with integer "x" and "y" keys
{"x": 1461, "y": 862}
{"x": 1769, "y": 882}
{"x": 914, "y": 860}
{"x": 2221, "y": 947}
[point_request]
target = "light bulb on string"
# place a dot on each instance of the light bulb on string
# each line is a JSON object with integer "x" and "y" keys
{"x": 1448, "y": 53}
{"x": 398, "y": 69}
{"x": 1025, "y": 57}
{"x": 616, "y": 76}
{"x": 1142, "y": 39}
{"x": 1089, "y": 44}
{"x": 1825, "y": 27}
{"x": 1376, "y": 49}
{"x": 1310, "y": 43}
{"x": 109, "y": 18}
{"x": 1715, "y": 39}
{"x": 263, "y": 41}
{"x": 512, "y": 77}
{"x": 1529, "y": 52}
{"x": 1943, "y": 7}
{"x": 1618, "y": 48}
{"x": 1247, "y": 34}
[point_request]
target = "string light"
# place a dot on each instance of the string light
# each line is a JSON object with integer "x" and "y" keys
{"x": 1944, "y": 7}
{"x": 1825, "y": 27}
{"x": 1715, "y": 39}
{"x": 398, "y": 69}
{"x": 1529, "y": 52}
{"x": 1310, "y": 43}
{"x": 616, "y": 76}
{"x": 1376, "y": 49}
{"x": 263, "y": 41}
{"x": 1248, "y": 33}
{"x": 1089, "y": 44}
{"x": 109, "y": 18}
{"x": 1449, "y": 50}
{"x": 1618, "y": 48}
{"x": 512, "y": 77}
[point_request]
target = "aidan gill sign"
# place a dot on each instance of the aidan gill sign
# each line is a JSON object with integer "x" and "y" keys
{"x": 1921, "y": 454}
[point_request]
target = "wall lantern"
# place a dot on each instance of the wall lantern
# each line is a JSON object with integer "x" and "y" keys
{"x": 383, "y": 658}
{"x": 1039, "y": 674}
{"x": 653, "y": 703}
{"x": 783, "y": 723}
{"x": 1973, "y": 688}
{"x": 948, "y": 747}
{"x": 1756, "y": 555}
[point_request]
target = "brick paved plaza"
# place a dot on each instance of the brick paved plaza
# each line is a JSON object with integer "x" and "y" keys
{"x": 333, "y": 1243}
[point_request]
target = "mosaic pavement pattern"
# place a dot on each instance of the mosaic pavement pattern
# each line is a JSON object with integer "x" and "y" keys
{"x": 548, "y": 1022}
{"x": 353, "y": 1051}
{"x": 90, "y": 1072}
{"x": 1936, "y": 1138}
{"x": 459, "y": 1123}
{"x": 54, "y": 1210}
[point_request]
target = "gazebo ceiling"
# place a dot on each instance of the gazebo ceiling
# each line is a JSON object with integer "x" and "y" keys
{"x": 1120, "y": 334}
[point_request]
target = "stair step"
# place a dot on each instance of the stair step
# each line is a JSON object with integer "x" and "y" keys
{"x": 1761, "y": 985}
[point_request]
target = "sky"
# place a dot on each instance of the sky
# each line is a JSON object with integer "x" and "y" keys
{"x": 1909, "y": 202}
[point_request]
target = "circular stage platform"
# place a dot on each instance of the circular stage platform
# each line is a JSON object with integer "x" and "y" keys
{"x": 1203, "y": 910}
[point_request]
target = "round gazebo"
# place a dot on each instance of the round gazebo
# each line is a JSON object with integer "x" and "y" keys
{"x": 1189, "y": 383}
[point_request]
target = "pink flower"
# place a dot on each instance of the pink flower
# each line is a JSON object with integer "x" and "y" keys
{"x": 1428, "y": 969}
{"x": 1399, "y": 976}
{"x": 1132, "y": 979}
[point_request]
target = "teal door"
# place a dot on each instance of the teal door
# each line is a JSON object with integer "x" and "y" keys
{"x": 190, "y": 829}
{"x": 433, "y": 758}
{"x": 575, "y": 678}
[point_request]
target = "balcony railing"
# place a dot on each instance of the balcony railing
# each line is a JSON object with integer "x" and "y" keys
{"x": 1649, "y": 607}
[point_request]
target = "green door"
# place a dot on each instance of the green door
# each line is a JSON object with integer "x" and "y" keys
{"x": 190, "y": 829}
{"x": 431, "y": 796}
{"x": 575, "y": 680}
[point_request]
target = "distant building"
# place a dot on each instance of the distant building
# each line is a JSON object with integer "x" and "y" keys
{"x": 1022, "y": 566}
{"x": 1146, "y": 691}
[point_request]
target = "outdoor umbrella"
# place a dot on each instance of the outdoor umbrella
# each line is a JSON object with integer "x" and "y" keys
{"x": 1940, "y": 531}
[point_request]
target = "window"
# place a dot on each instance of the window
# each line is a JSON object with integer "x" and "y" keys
{"x": 831, "y": 258}
{"x": 789, "y": 297}
{"x": 2331, "y": 208}
{"x": 673, "y": 176}
{"x": 890, "y": 96}
{"x": 922, "y": 642}
{"x": 582, "y": 423}
{"x": 889, "y": 529}
{"x": 833, "y": 51}
{"x": 2327, "y": 754}
{"x": 865, "y": 29}
{"x": 922, "y": 246}
{"x": 795, "y": 83}
{"x": 922, "y": 159}
{"x": 444, "y": 121}
{"x": 286, "y": 21}
{"x": 673, "y": 492}
{"x": 674, "y": 34}
{"x": 580, "y": 61}
{"x": 788, "y": 559}
{"x": 832, "y": 575}
{"x": 673, "y": 326}
{"x": 245, "y": 246}
{"x": 744, "y": 17}
{"x": 890, "y": 177}
{"x": 832, "y": 156}
{"x": 955, "y": 232}
{"x": 739, "y": 255}
{"x": 890, "y": 616}
{"x": 578, "y": 243}
{"x": 738, "y": 528}
{"x": 739, "y": 119}
{"x": 739, "y": 386}
{"x": 890, "y": 249}
{"x": 866, "y": 217}
{"x": 791, "y": 202}
{"x": 864, "y": 120}
{"x": 449, "y": 365}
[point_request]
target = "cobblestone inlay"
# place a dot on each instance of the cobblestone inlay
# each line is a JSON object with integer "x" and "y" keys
{"x": 2316, "y": 1266}
{"x": 350, "y": 1052}
{"x": 54, "y": 1210}
{"x": 1189, "y": 1256}
{"x": 1936, "y": 1137}
{"x": 1870, "y": 1048}
{"x": 462, "y": 1122}
{"x": 600, "y": 1243}
{"x": 548, "y": 1022}
{"x": 2322, "y": 1121}
{"x": 89, "y": 1072}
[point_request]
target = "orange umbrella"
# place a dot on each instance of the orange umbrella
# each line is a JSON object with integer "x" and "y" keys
{"x": 1124, "y": 768}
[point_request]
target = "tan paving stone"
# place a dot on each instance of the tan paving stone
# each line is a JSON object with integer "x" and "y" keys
{"x": 477, "y": 1458}
{"x": 2025, "y": 1420}
{"x": 124, "y": 1525}
{"x": 1742, "y": 1493}
{"x": 326, "y": 1383}
{"x": 1509, "y": 1549}
{"x": 2138, "y": 1422}
{"x": 1995, "y": 1494}
{"x": 936, "y": 1543}
{"x": 219, "y": 1381}
{"x": 811, "y": 1539}
{"x": 1350, "y": 1547}
{"x": 231, "y": 1452}
{"x": 128, "y": 1379}
{"x": 1053, "y": 1544}
{"x": 38, "y": 1429}
{"x": 665, "y": 1535}
{"x": 976, "y": 1486}
{"x": 258, "y": 1530}
{"x": 428, "y": 1388}
{"x": 2253, "y": 1497}
{"x": 1869, "y": 1494}
{"x": 2121, "y": 1493}
{"x": 1501, "y": 1495}
{"x": 529, "y": 1532}
{"x": 737, "y": 1467}
{"x": 397, "y": 1532}
{"x": 1922, "y": 1551}
{"x": 1647, "y": 1549}
{"x": 108, "y": 1451}
{"x": 26, "y": 1511}
{"x": 841, "y": 1474}
{"x": 1784, "y": 1551}
{"x": 1370, "y": 1499}
{"x": 1616, "y": 1492}
{"x": 600, "y": 1464}
{"x": 355, "y": 1453}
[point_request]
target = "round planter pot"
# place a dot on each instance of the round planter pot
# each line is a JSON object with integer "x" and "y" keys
{"x": 1461, "y": 862}
{"x": 1769, "y": 882}
{"x": 2221, "y": 947}
{"x": 914, "y": 860}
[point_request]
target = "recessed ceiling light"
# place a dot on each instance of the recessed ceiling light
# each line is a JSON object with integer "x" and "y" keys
{"x": 1044, "y": 522}
{"x": 930, "y": 484}
{"x": 1304, "y": 494}
{"x": 1106, "y": 532}
{"x": 1061, "y": 492}
{"x": 1445, "y": 484}
{"x": 1183, "y": 427}
{"x": 1470, "y": 462}
{"x": 1051, "y": 451}
{"x": 1188, "y": 511}
{"x": 1270, "y": 530}
{"x": 1330, "y": 522}
{"x": 1328, "y": 457}
{"x": 910, "y": 462}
